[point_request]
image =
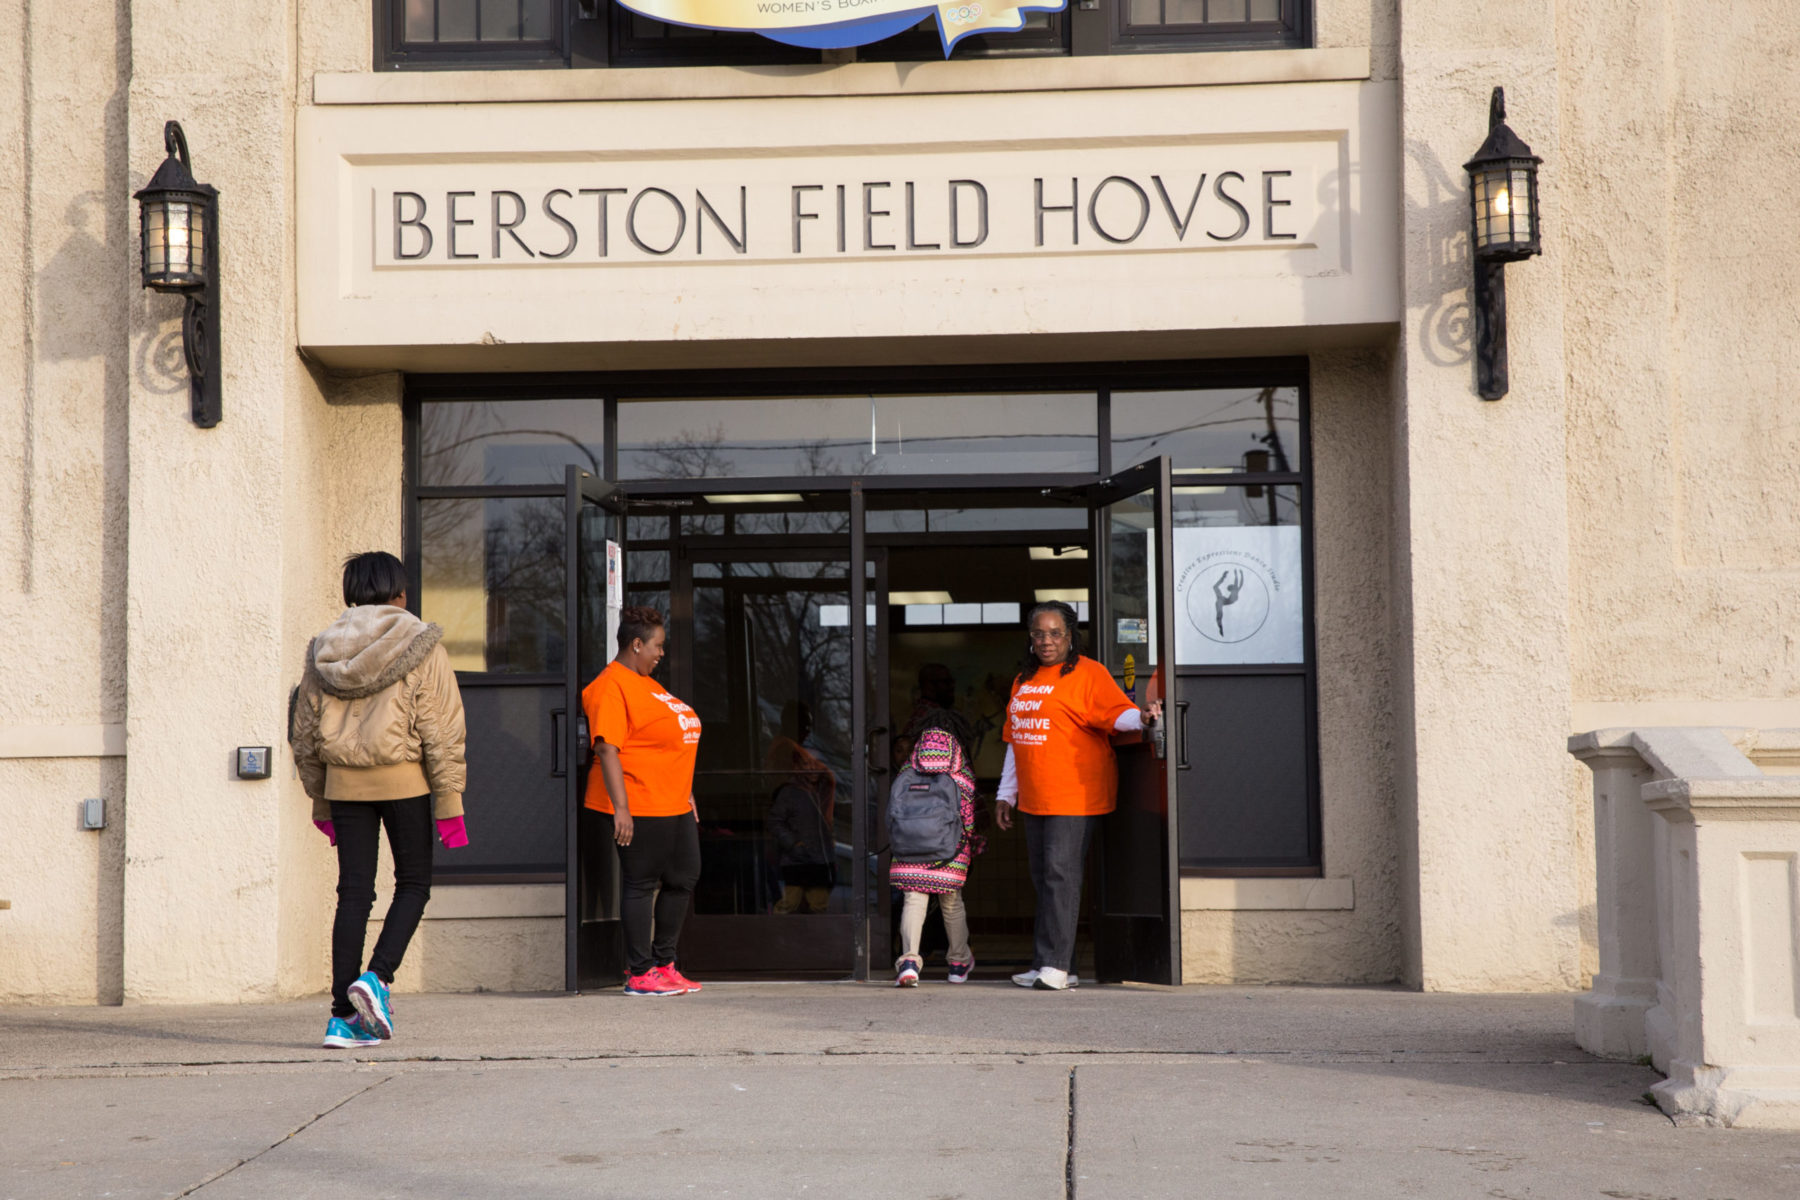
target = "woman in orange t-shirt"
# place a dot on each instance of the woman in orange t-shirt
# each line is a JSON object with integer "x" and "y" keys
{"x": 645, "y": 741}
{"x": 1061, "y": 775}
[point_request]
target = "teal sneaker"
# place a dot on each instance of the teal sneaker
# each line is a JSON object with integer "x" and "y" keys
{"x": 343, "y": 1034}
{"x": 370, "y": 996}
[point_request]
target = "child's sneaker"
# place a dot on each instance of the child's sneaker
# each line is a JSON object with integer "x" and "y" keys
{"x": 959, "y": 972}
{"x": 348, "y": 1034}
{"x": 652, "y": 983}
{"x": 677, "y": 978}
{"x": 373, "y": 1005}
{"x": 907, "y": 975}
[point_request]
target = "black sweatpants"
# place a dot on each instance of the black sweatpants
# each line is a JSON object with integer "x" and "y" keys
{"x": 1056, "y": 852}
{"x": 658, "y": 872}
{"x": 358, "y": 826}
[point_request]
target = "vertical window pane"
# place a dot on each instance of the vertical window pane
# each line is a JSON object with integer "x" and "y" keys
{"x": 421, "y": 20}
{"x": 540, "y": 20}
{"x": 1228, "y": 429}
{"x": 1265, "y": 10}
{"x": 1220, "y": 11}
{"x": 1144, "y": 12}
{"x": 492, "y": 576}
{"x": 488, "y": 442}
{"x": 1238, "y": 587}
{"x": 456, "y": 20}
{"x": 499, "y": 20}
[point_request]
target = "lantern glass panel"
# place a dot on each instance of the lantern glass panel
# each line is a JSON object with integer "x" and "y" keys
{"x": 1522, "y": 207}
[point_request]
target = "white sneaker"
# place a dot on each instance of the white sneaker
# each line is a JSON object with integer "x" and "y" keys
{"x": 1029, "y": 978}
{"x": 1050, "y": 979}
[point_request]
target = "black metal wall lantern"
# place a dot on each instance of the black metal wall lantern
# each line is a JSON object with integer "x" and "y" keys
{"x": 180, "y": 230}
{"x": 1503, "y": 201}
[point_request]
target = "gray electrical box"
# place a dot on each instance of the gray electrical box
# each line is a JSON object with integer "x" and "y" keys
{"x": 93, "y": 813}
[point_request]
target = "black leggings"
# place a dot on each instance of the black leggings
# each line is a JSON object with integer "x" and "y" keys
{"x": 358, "y": 826}
{"x": 659, "y": 870}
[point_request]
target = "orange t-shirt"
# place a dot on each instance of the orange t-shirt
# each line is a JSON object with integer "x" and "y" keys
{"x": 1059, "y": 727}
{"x": 657, "y": 737}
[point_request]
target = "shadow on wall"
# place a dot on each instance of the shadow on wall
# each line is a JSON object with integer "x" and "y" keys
{"x": 1446, "y": 330}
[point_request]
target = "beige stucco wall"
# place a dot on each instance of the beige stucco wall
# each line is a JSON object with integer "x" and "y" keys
{"x": 1348, "y": 932}
{"x": 1491, "y": 814}
{"x": 1684, "y": 454}
{"x": 64, "y": 286}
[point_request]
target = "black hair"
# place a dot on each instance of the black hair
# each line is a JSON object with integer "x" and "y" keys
{"x": 373, "y": 577}
{"x": 1029, "y": 666}
{"x": 635, "y": 622}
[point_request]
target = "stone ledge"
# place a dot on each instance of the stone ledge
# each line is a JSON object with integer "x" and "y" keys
{"x": 62, "y": 741}
{"x": 1199, "y": 69}
{"x": 1267, "y": 895}
{"x": 482, "y": 901}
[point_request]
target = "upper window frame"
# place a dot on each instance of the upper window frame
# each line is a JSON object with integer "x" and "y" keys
{"x": 587, "y": 37}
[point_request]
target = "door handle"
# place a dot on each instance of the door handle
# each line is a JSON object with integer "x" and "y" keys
{"x": 1181, "y": 755}
{"x": 874, "y": 767}
{"x": 559, "y": 767}
{"x": 584, "y": 746}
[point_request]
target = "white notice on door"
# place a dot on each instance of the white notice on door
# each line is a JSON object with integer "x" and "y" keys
{"x": 1237, "y": 595}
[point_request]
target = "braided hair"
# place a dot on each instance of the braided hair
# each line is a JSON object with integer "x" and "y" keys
{"x": 1030, "y": 664}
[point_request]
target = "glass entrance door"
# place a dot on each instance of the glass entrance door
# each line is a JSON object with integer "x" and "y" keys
{"x": 1137, "y": 933}
{"x": 767, "y": 655}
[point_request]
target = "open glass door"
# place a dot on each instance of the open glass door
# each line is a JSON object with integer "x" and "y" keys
{"x": 594, "y": 552}
{"x": 1137, "y": 898}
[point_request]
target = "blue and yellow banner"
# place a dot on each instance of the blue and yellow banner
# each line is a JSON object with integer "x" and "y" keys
{"x": 834, "y": 24}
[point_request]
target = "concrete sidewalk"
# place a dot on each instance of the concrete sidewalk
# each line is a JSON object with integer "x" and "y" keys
{"x": 770, "y": 1090}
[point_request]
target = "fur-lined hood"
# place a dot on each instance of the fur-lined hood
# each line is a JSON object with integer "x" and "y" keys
{"x": 369, "y": 648}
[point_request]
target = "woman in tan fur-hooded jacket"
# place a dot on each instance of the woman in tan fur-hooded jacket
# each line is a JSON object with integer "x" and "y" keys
{"x": 378, "y": 735}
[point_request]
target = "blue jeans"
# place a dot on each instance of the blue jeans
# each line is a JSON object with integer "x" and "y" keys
{"x": 1056, "y": 848}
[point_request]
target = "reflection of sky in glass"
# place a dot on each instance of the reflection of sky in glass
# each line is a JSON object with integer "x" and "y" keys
{"x": 856, "y": 435}
{"x": 1239, "y": 429}
{"x": 1201, "y": 506}
{"x": 494, "y": 442}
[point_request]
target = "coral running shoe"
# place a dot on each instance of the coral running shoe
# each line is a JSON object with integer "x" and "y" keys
{"x": 652, "y": 983}
{"x": 678, "y": 979}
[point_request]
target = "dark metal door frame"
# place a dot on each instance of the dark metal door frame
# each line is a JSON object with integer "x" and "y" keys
{"x": 1128, "y": 944}
{"x": 588, "y": 956}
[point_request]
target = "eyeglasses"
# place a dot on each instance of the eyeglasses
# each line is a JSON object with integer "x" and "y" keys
{"x": 1049, "y": 635}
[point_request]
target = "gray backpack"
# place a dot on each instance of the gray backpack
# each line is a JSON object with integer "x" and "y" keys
{"x": 924, "y": 817}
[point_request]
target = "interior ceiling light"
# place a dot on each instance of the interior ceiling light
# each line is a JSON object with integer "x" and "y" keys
{"x": 757, "y": 498}
{"x": 919, "y": 598}
{"x": 1066, "y": 595}
{"x": 1055, "y": 553}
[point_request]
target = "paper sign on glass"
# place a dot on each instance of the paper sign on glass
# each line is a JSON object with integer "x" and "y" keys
{"x": 1237, "y": 595}
{"x": 834, "y": 24}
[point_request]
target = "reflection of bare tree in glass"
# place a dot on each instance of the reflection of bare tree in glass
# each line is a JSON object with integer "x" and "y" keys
{"x": 688, "y": 455}
{"x": 452, "y": 438}
{"x": 524, "y": 582}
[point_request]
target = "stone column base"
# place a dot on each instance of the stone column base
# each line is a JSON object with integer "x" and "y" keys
{"x": 1609, "y": 1021}
{"x": 1741, "y": 1097}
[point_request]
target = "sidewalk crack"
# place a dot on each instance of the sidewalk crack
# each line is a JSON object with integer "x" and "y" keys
{"x": 1069, "y": 1158}
{"x": 287, "y": 1137}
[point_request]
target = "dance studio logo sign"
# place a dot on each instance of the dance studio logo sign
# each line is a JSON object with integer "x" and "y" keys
{"x": 836, "y": 24}
{"x": 1230, "y": 594}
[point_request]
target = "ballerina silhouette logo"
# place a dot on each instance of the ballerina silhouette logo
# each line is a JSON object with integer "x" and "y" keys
{"x": 1239, "y": 590}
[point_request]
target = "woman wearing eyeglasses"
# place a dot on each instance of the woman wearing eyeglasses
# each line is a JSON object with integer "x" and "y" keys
{"x": 1061, "y": 775}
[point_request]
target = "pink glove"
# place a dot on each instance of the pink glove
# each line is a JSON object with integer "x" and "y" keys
{"x": 452, "y": 832}
{"x": 329, "y": 830}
